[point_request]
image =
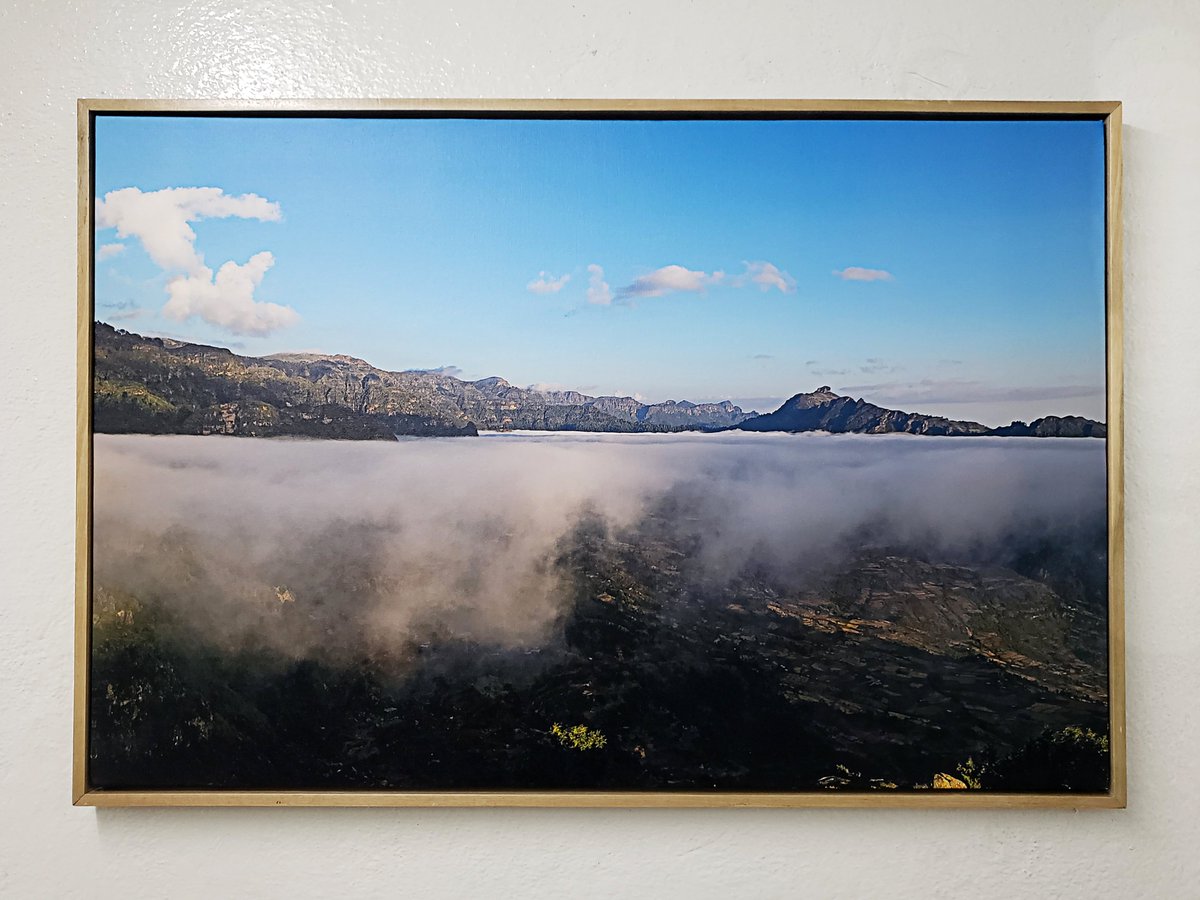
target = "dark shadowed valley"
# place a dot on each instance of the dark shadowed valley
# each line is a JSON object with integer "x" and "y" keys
{"x": 730, "y": 611}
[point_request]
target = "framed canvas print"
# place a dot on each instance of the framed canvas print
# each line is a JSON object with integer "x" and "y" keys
{"x": 619, "y": 453}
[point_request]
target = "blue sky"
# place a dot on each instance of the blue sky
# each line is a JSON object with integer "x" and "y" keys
{"x": 944, "y": 267}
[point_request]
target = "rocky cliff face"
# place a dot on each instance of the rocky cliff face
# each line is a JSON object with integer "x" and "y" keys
{"x": 161, "y": 386}
{"x": 149, "y": 385}
{"x": 493, "y": 403}
{"x": 823, "y": 410}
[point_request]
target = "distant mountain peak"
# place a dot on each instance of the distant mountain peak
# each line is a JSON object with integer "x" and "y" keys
{"x": 819, "y": 397}
{"x": 823, "y": 410}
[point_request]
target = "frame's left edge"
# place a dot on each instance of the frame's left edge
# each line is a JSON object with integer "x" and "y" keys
{"x": 83, "y": 463}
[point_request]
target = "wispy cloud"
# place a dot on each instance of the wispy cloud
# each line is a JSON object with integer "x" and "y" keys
{"x": 875, "y": 366}
{"x": 767, "y": 275}
{"x": 553, "y": 387}
{"x": 598, "y": 292}
{"x": 546, "y": 283}
{"x": 452, "y": 371}
{"x": 122, "y": 311}
{"x": 127, "y": 316}
{"x": 108, "y": 251}
{"x": 825, "y": 373}
{"x": 762, "y": 356}
{"x": 670, "y": 279}
{"x": 858, "y": 273}
{"x": 161, "y": 222}
{"x": 675, "y": 278}
{"x": 950, "y": 390}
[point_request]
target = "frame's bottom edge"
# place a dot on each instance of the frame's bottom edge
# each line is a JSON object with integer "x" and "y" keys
{"x": 598, "y": 799}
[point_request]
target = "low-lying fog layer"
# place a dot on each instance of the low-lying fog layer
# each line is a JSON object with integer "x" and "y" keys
{"x": 385, "y": 544}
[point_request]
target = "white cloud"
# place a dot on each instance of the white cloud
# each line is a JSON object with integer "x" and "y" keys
{"x": 669, "y": 279}
{"x": 108, "y": 251}
{"x": 598, "y": 291}
{"x": 160, "y": 220}
{"x": 546, "y": 283}
{"x": 227, "y": 300}
{"x": 677, "y": 279}
{"x": 767, "y": 275}
{"x": 858, "y": 273}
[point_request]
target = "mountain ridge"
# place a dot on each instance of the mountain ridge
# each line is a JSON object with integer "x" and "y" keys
{"x": 166, "y": 386}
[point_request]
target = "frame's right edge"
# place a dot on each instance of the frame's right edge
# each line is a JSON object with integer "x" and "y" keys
{"x": 1115, "y": 317}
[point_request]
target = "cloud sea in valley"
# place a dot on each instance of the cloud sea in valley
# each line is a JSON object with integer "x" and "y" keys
{"x": 388, "y": 544}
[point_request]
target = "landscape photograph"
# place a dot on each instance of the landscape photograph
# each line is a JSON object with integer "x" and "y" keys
{"x": 570, "y": 453}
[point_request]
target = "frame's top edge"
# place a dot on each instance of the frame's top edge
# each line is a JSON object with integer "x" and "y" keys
{"x": 1098, "y": 108}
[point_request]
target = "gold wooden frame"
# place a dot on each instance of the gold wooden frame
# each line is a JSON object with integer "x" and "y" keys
{"x": 1108, "y": 112}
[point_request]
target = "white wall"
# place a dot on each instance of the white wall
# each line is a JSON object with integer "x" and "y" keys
{"x": 1144, "y": 53}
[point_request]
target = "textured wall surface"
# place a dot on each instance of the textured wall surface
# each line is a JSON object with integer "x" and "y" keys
{"x": 1145, "y": 53}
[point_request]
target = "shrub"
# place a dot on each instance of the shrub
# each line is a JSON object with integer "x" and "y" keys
{"x": 578, "y": 737}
